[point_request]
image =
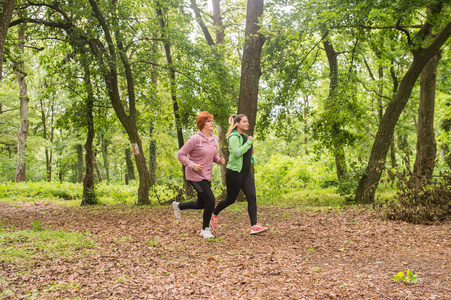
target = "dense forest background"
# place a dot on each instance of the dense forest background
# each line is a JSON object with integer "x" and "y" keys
{"x": 341, "y": 95}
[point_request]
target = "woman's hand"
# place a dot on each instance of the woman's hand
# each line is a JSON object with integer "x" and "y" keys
{"x": 198, "y": 168}
{"x": 222, "y": 161}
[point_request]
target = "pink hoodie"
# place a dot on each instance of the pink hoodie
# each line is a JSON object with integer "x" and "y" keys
{"x": 199, "y": 150}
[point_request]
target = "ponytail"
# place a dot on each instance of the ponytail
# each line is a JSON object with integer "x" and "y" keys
{"x": 233, "y": 119}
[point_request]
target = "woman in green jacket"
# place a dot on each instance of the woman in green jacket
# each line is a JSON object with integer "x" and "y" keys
{"x": 238, "y": 174}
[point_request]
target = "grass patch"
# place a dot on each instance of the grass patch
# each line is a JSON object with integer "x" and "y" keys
{"x": 29, "y": 246}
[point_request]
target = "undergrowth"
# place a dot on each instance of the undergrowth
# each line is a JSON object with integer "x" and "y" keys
{"x": 419, "y": 200}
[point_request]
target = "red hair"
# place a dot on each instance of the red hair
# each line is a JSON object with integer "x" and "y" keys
{"x": 203, "y": 117}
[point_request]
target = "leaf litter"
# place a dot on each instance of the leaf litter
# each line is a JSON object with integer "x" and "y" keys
{"x": 145, "y": 253}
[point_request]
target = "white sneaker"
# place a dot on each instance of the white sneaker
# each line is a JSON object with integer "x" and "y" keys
{"x": 177, "y": 211}
{"x": 206, "y": 233}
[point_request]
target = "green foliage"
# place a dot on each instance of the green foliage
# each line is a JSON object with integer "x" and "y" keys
{"x": 420, "y": 201}
{"x": 411, "y": 277}
{"x": 348, "y": 183}
{"x": 39, "y": 190}
{"x": 104, "y": 193}
{"x": 37, "y": 226}
{"x": 90, "y": 198}
{"x": 154, "y": 243}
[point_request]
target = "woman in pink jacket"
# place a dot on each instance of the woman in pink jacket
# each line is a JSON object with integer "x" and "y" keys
{"x": 198, "y": 155}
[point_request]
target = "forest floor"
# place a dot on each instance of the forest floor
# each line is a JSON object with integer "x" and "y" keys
{"x": 145, "y": 253}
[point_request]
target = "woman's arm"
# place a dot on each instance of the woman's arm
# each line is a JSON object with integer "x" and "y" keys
{"x": 182, "y": 155}
{"x": 236, "y": 149}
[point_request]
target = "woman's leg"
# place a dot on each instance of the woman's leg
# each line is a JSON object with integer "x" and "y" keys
{"x": 205, "y": 200}
{"x": 199, "y": 203}
{"x": 233, "y": 180}
{"x": 251, "y": 196}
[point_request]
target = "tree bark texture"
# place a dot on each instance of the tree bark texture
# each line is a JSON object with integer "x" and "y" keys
{"x": 152, "y": 156}
{"x": 376, "y": 164}
{"x": 89, "y": 196}
{"x": 217, "y": 21}
{"x": 334, "y": 82}
{"x": 129, "y": 163}
{"x": 80, "y": 163}
{"x": 46, "y": 135}
{"x": 250, "y": 64}
{"x": 426, "y": 145}
{"x": 106, "y": 162}
{"x": 96, "y": 167}
{"x": 201, "y": 23}
{"x": 6, "y": 14}
{"x": 24, "y": 122}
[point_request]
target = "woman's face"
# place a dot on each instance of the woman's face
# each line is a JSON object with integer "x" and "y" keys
{"x": 242, "y": 125}
{"x": 209, "y": 125}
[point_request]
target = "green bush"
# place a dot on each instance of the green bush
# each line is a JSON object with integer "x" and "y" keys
{"x": 103, "y": 192}
{"x": 41, "y": 189}
{"x": 283, "y": 174}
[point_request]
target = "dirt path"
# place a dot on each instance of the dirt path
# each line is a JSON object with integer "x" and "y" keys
{"x": 144, "y": 253}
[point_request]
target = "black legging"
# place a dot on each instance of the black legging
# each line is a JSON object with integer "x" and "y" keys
{"x": 235, "y": 182}
{"x": 205, "y": 200}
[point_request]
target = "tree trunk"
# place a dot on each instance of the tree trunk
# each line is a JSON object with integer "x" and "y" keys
{"x": 338, "y": 151}
{"x": 223, "y": 152}
{"x": 376, "y": 164}
{"x": 305, "y": 113}
{"x": 393, "y": 162}
{"x": 89, "y": 196}
{"x": 110, "y": 74}
{"x": 426, "y": 145}
{"x": 80, "y": 162}
{"x": 217, "y": 21}
{"x": 175, "y": 105}
{"x": 96, "y": 167}
{"x": 152, "y": 156}
{"x": 24, "y": 122}
{"x": 106, "y": 163}
{"x": 129, "y": 163}
{"x": 48, "y": 153}
{"x": 219, "y": 32}
{"x": 394, "y": 77}
{"x": 250, "y": 64}
{"x": 6, "y": 14}
{"x": 152, "y": 142}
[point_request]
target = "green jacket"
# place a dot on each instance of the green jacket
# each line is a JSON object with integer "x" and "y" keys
{"x": 237, "y": 149}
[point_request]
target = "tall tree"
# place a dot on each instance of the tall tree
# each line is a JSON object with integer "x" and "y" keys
{"x": 172, "y": 86}
{"x": 423, "y": 48}
{"x": 6, "y": 13}
{"x": 250, "y": 64}
{"x": 24, "y": 122}
{"x": 80, "y": 162}
{"x": 108, "y": 59}
{"x": 104, "y": 143}
{"x": 171, "y": 69}
{"x": 426, "y": 145}
{"x": 89, "y": 196}
{"x": 47, "y": 132}
{"x": 334, "y": 82}
{"x": 220, "y": 35}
